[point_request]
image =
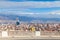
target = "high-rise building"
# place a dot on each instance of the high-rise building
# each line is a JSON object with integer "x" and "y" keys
{"x": 17, "y": 21}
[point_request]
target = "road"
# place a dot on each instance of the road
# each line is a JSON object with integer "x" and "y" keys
{"x": 31, "y": 38}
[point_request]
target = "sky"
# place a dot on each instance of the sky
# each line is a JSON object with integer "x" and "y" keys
{"x": 31, "y": 8}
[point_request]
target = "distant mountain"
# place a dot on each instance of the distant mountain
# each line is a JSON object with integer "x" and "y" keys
{"x": 25, "y": 18}
{"x": 13, "y": 17}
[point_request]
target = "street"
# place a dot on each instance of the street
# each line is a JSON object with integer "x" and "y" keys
{"x": 26, "y": 38}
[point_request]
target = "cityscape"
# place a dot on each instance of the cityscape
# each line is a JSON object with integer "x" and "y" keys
{"x": 29, "y": 19}
{"x": 48, "y": 29}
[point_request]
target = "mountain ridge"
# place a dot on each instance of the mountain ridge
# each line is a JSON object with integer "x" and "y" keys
{"x": 25, "y": 18}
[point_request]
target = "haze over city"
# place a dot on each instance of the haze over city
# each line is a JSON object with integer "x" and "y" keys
{"x": 30, "y": 9}
{"x": 29, "y": 19}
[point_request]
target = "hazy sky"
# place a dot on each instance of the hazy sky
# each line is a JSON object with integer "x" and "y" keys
{"x": 42, "y": 8}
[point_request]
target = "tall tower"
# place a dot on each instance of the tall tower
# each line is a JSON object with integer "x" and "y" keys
{"x": 17, "y": 21}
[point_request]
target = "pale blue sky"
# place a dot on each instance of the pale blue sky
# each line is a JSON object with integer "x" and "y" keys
{"x": 42, "y": 8}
